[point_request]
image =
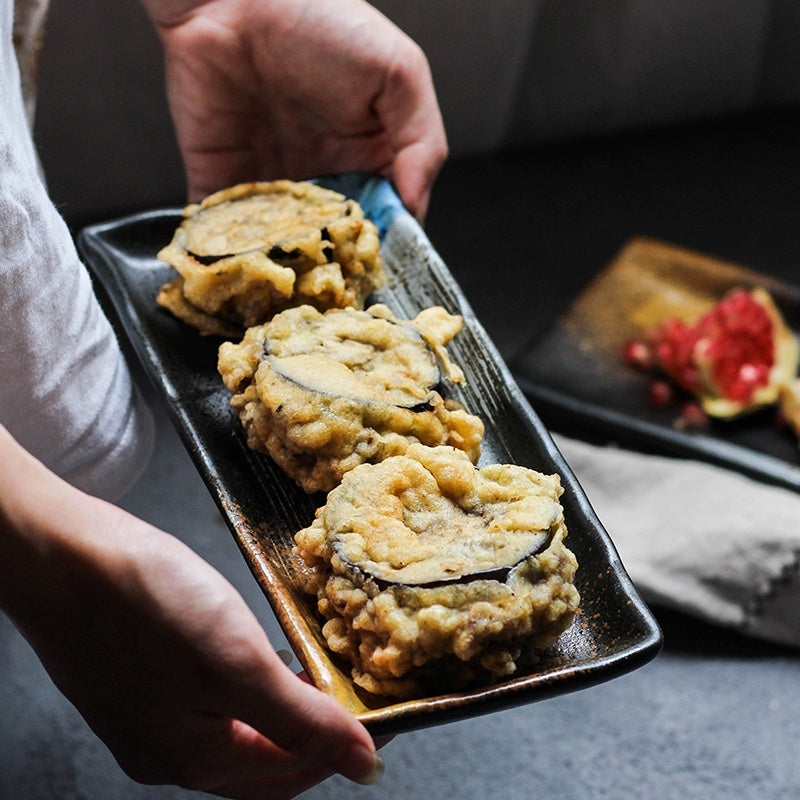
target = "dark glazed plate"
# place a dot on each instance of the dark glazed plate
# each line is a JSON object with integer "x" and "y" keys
{"x": 574, "y": 375}
{"x": 613, "y": 633}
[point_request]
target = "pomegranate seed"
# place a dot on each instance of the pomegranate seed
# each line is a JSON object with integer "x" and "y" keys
{"x": 637, "y": 354}
{"x": 659, "y": 394}
{"x": 692, "y": 417}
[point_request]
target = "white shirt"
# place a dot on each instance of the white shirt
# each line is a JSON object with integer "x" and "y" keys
{"x": 65, "y": 391}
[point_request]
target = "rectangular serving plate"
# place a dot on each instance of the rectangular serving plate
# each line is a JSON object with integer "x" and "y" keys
{"x": 614, "y": 631}
{"x": 576, "y": 378}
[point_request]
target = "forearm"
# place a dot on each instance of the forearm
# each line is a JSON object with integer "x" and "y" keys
{"x": 40, "y": 529}
{"x": 22, "y": 544}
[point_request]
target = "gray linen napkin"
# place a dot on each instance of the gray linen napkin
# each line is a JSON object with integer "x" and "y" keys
{"x": 699, "y": 538}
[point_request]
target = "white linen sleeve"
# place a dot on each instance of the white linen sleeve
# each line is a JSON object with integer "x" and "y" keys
{"x": 66, "y": 393}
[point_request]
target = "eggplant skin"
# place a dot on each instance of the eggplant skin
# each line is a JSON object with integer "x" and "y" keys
{"x": 426, "y": 566}
{"x": 322, "y": 393}
{"x": 364, "y": 356}
{"x": 360, "y": 574}
{"x": 318, "y": 376}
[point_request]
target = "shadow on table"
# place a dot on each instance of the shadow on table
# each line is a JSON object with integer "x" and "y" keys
{"x": 686, "y": 634}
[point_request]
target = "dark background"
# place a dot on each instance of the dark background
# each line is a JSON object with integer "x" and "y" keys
{"x": 523, "y": 230}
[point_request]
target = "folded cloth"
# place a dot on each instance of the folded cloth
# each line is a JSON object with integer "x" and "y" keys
{"x": 699, "y": 538}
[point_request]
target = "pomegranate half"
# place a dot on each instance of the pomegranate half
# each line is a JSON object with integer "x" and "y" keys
{"x": 739, "y": 356}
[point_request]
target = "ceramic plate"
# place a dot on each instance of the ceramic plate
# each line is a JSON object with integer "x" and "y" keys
{"x": 614, "y": 631}
{"x": 576, "y": 379}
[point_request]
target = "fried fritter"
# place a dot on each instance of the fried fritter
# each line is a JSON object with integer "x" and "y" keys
{"x": 433, "y": 574}
{"x": 252, "y": 250}
{"x": 322, "y": 393}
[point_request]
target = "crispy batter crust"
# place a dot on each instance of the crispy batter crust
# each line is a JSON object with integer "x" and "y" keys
{"x": 322, "y": 393}
{"x": 252, "y": 250}
{"x": 433, "y": 574}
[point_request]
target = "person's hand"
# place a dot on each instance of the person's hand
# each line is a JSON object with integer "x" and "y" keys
{"x": 158, "y": 652}
{"x": 264, "y": 89}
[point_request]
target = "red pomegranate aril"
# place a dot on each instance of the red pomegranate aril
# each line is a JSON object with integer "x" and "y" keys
{"x": 737, "y": 357}
{"x": 692, "y": 417}
{"x": 659, "y": 394}
{"x": 638, "y": 354}
{"x": 729, "y": 352}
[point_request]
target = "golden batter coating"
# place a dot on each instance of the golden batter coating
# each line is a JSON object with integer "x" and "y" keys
{"x": 433, "y": 574}
{"x": 252, "y": 250}
{"x": 324, "y": 392}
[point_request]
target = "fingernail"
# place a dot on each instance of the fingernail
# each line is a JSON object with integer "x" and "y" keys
{"x": 285, "y": 656}
{"x": 375, "y": 772}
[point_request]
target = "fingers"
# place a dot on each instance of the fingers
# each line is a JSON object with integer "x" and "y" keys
{"x": 308, "y": 724}
{"x": 227, "y": 758}
{"x": 276, "y": 753}
{"x": 262, "y": 770}
{"x": 245, "y": 765}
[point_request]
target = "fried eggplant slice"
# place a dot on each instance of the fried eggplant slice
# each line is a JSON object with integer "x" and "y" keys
{"x": 324, "y": 392}
{"x": 255, "y": 249}
{"x": 433, "y": 574}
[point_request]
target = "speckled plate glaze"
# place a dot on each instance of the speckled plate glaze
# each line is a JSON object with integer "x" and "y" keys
{"x": 575, "y": 377}
{"x": 614, "y": 631}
